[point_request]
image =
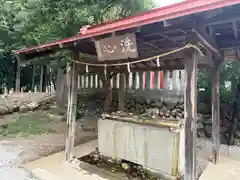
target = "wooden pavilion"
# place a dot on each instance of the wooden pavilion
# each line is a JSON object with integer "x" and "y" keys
{"x": 210, "y": 27}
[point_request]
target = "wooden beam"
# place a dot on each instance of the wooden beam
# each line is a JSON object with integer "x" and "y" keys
{"x": 206, "y": 40}
{"x": 207, "y": 59}
{"x": 71, "y": 112}
{"x": 172, "y": 40}
{"x": 121, "y": 95}
{"x": 18, "y": 74}
{"x": 179, "y": 27}
{"x": 221, "y": 19}
{"x": 215, "y": 115}
{"x": 149, "y": 44}
{"x": 190, "y": 107}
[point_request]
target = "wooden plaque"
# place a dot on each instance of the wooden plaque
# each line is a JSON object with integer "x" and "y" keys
{"x": 117, "y": 47}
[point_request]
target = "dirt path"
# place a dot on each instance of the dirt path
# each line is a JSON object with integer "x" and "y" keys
{"x": 15, "y": 151}
{"x": 10, "y": 159}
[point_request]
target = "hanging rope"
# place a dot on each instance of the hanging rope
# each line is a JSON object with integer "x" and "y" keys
{"x": 128, "y": 67}
{"x": 146, "y": 59}
{"x": 105, "y": 71}
{"x": 158, "y": 62}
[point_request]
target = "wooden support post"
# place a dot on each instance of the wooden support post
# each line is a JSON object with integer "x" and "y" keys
{"x": 71, "y": 112}
{"x": 121, "y": 95}
{"x": 215, "y": 115}
{"x": 18, "y": 75}
{"x": 190, "y": 118}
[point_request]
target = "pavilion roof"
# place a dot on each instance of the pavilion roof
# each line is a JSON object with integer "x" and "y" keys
{"x": 160, "y": 30}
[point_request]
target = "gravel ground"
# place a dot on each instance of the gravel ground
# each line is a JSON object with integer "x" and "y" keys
{"x": 10, "y": 160}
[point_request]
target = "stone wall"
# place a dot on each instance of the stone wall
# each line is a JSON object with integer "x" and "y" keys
{"x": 165, "y": 104}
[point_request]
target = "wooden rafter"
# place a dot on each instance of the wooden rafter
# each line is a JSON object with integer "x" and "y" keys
{"x": 149, "y": 44}
{"x": 205, "y": 39}
{"x": 172, "y": 40}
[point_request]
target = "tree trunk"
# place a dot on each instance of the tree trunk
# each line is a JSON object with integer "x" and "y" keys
{"x": 41, "y": 80}
{"x": 18, "y": 75}
{"x": 45, "y": 79}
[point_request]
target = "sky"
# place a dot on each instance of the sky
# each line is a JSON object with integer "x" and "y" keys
{"x": 160, "y": 3}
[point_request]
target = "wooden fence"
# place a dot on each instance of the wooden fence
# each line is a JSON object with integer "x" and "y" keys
{"x": 171, "y": 80}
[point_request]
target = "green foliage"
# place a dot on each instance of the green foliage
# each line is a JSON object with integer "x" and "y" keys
{"x": 7, "y": 75}
{"x": 32, "y": 22}
{"x": 229, "y": 71}
{"x": 28, "y": 125}
{"x": 226, "y": 96}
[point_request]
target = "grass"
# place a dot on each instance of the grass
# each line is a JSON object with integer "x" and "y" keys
{"x": 31, "y": 124}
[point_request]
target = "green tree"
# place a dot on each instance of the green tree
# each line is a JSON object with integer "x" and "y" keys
{"x": 32, "y": 22}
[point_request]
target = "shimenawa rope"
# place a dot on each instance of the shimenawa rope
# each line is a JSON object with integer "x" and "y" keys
{"x": 143, "y": 60}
